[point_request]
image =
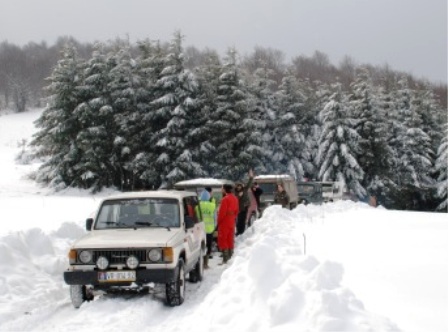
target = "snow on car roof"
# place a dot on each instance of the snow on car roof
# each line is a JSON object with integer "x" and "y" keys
{"x": 204, "y": 182}
{"x": 273, "y": 176}
{"x": 152, "y": 194}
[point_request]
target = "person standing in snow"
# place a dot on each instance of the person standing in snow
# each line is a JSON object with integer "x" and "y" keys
{"x": 281, "y": 196}
{"x": 210, "y": 191}
{"x": 257, "y": 194}
{"x": 228, "y": 210}
{"x": 208, "y": 208}
{"x": 243, "y": 203}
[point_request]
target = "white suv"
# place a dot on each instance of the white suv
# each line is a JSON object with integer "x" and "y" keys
{"x": 139, "y": 238}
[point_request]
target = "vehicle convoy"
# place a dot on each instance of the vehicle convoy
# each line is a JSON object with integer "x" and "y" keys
{"x": 139, "y": 238}
{"x": 319, "y": 192}
{"x": 197, "y": 185}
{"x": 268, "y": 183}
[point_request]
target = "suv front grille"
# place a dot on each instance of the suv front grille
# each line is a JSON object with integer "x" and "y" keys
{"x": 120, "y": 256}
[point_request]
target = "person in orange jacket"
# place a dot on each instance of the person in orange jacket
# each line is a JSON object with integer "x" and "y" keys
{"x": 228, "y": 211}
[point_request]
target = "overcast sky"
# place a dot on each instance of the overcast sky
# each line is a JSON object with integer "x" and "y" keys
{"x": 409, "y": 35}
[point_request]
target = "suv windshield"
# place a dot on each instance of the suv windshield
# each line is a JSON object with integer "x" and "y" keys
{"x": 138, "y": 213}
{"x": 268, "y": 188}
{"x": 327, "y": 188}
{"x": 306, "y": 189}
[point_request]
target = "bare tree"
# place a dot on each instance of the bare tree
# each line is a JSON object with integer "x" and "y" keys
{"x": 347, "y": 71}
{"x": 20, "y": 93}
{"x": 267, "y": 58}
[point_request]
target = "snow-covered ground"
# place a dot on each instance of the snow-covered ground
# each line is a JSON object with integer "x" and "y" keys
{"x": 340, "y": 267}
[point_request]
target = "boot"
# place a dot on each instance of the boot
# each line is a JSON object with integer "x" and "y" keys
{"x": 225, "y": 257}
{"x": 205, "y": 262}
{"x": 230, "y": 253}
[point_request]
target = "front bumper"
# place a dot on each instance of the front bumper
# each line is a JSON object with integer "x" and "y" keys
{"x": 143, "y": 276}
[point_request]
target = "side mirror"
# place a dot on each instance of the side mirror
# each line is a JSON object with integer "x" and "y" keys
{"x": 89, "y": 223}
{"x": 189, "y": 223}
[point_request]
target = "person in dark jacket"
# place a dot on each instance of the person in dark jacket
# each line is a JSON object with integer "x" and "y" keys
{"x": 257, "y": 194}
{"x": 243, "y": 202}
{"x": 281, "y": 196}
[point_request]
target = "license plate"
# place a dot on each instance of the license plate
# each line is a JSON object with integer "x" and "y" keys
{"x": 111, "y": 276}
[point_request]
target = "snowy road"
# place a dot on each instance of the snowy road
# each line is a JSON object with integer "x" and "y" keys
{"x": 269, "y": 285}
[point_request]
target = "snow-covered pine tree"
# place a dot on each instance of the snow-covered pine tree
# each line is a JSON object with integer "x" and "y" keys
{"x": 433, "y": 118}
{"x": 150, "y": 65}
{"x": 415, "y": 157}
{"x": 58, "y": 124}
{"x": 317, "y": 96}
{"x": 441, "y": 167}
{"x": 123, "y": 86}
{"x": 175, "y": 110}
{"x": 96, "y": 114}
{"x": 232, "y": 132}
{"x": 310, "y": 126}
{"x": 289, "y": 144}
{"x": 375, "y": 157}
{"x": 208, "y": 78}
{"x": 262, "y": 113}
{"x": 432, "y": 114}
{"x": 339, "y": 144}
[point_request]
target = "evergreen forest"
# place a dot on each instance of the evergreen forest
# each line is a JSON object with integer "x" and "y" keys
{"x": 148, "y": 115}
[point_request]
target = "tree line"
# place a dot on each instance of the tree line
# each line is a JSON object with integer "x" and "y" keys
{"x": 23, "y": 71}
{"x": 148, "y": 115}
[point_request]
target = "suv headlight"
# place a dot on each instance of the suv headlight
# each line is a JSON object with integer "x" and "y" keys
{"x": 102, "y": 263}
{"x": 85, "y": 256}
{"x": 155, "y": 255}
{"x": 132, "y": 262}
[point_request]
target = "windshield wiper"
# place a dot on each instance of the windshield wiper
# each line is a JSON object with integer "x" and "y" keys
{"x": 167, "y": 227}
{"x": 115, "y": 223}
{"x": 143, "y": 223}
{"x": 109, "y": 222}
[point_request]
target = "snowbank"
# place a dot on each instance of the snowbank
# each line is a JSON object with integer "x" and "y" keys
{"x": 270, "y": 284}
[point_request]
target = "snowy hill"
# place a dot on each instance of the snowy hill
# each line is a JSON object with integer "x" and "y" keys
{"x": 340, "y": 267}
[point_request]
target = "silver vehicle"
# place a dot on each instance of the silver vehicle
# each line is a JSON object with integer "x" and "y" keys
{"x": 198, "y": 185}
{"x": 136, "y": 239}
{"x": 268, "y": 183}
{"x": 319, "y": 192}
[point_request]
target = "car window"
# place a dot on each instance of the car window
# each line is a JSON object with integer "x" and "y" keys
{"x": 327, "y": 188}
{"x": 138, "y": 213}
{"x": 191, "y": 208}
{"x": 268, "y": 188}
{"x": 305, "y": 189}
{"x": 217, "y": 195}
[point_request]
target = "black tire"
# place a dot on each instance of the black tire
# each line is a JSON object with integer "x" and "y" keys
{"x": 197, "y": 274}
{"x": 175, "y": 291}
{"x": 79, "y": 294}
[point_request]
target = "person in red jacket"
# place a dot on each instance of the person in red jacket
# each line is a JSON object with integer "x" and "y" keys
{"x": 228, "y": 211}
